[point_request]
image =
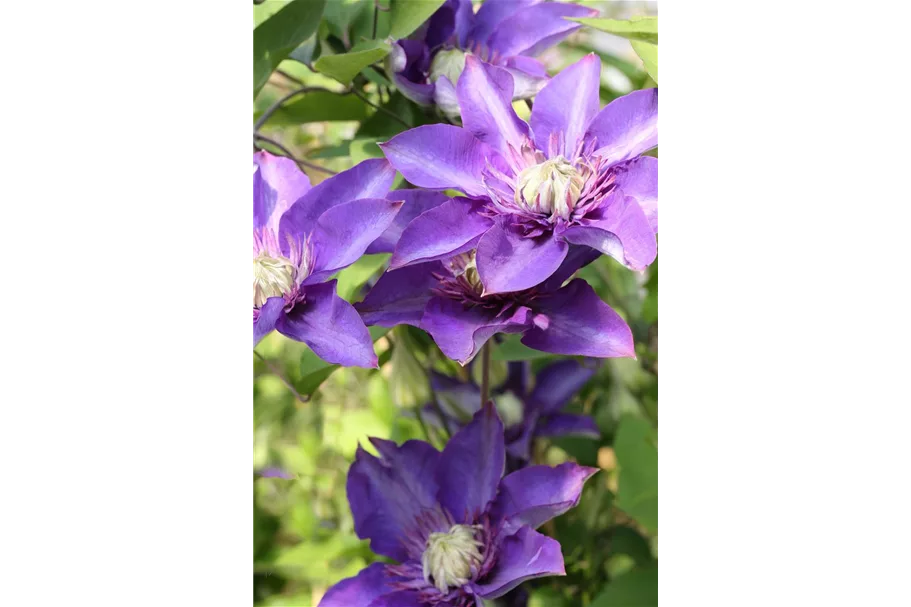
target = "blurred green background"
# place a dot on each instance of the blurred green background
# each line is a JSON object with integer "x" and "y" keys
{"x": 309, "y": 417}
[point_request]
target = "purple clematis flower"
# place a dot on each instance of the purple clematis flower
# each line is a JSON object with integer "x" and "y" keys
{"x": 507, "y": 33}
{"x": 460, "y": 531}
{"x": 526, "y": 415}
{"x": 303, "y": 235}
{"x": 446, "y": 299}
{"x": 573, "y": 176}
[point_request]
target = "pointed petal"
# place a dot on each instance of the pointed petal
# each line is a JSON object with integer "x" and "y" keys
{"x": 534, "y": 495}
{"x": 460, "y": 331}
{"x": 568, "y": 424}
{"x": 440, "y": 233}
{"x": 277, "y": 184}
{"x": 344, "y": 232}
{"x": 566, "y": 105}
{"x": 626, "y": 127}
{"x": 492, "y": 13}
{"x": 557, "y": 383}
{"x": 369, "y": 179}
{"x": 532, "y": 30}
{"x": 400, "y": 296}
{"x": 361, "y": 589}
{"x": 639, "y": 178}
{"x": 471, "y": 466}
{"x": 416, "y": 202}
{"x": 528, "y": 75}
{"x": 387, "y": 494}
{"x": 485, "y": 97}
{"x": 420, "y": 93}
{"x": 575, "y": 321}
{"x": 330, "y": 326}
{"x": 268, "y": 316}
{"x": 440, "y": 157}
{"x": 623, "y": 232}
{"x": 523, "y": 556}
{"x": 508, "y": 261}
{"x": 578, "y": 257}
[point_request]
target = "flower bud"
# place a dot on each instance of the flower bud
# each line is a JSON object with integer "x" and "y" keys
{"x": 448, "y": 63}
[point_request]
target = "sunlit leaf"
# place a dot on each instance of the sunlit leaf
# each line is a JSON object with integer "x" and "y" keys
{"x": 346, "y": 66}
{"x": 408, "y": 15}
{"x": 644, "y": 29}
{"x": 636, "y": 446}
{"x": 280, "y": 34}
{"x": 649, "y": 55}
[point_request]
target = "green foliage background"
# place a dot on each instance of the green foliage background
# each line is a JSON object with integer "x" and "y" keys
{"x": 309, "y": 416}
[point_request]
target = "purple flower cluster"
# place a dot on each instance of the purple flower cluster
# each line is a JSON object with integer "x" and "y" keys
{"x": 458, "y": 529}
{"x": 507, "y": 33}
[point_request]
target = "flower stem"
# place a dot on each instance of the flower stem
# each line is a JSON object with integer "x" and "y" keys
{"x": 485, "y": 373}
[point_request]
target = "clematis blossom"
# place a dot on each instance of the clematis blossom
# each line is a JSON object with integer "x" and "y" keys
{"x": 446, "y": 299}
{"x": 527, "y": 414}
{"x": 508, "y": 33}
{"x": 459, "y": 530}
{"x": 574, "y": 175}
{"x": 301, "y": 236}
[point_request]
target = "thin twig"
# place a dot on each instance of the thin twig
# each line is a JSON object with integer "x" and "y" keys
{"x": 360, "y": 96}
{"x": 293, "y": 79}
{"x": 277, "y": 372}
{"x": 376, "y": 12}
{"x": 287, "y": 153}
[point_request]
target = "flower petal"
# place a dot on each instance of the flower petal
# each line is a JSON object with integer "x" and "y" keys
{"x": 557, "y": 383}
{"x": 445, "y": 97}
{"x": 536, "y": 28}
{"x": 566, "y": 105}
{"x": 623, "y": 232}
{"x": 416, "y": 202}
{"x": 460, "y": 331}
{"x": 277, "y": 184}
{"x": 485, "y": 98}
{"x": 400, "y": 296}
{"x": 440, "y": 157}
{"x": 440, "y": 233}
{"x": 528, "y": 75}
{"x": 268, "y": 316}
{"x": 575, "y": 321}
{"x": 420, "y": 93}
{"x": 523, "y": 556}
{"x": 344, "y": 232}
{"x": 492, "y": 13}
{"x": 471, "y": 466}
{"x": 568, "y": 424}
{"x": 639, "y": 178}
{"x": 387, "y": 494}
{"x": 330, "y": 326}
{"x": 534, "y": 495}
{"x": 361, "y": 589}
{"x": 458, "y": 400}
{"x": 578, "y": 257}
{"x": 508, "y": 261}
{"x": 402, "y": 598}
{"x": 626, "y": 127}
{"x": 369, "y": 179}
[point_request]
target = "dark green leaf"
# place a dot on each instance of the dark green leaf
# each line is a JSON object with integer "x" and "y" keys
{"x": 408, "y": 15}
{"x": 638, "y": 588}
{"x": 636, "y": 447}
{"x": 345, "y": 67}
{"x": 280, "y": 34}
{"x": 319, "y": 106}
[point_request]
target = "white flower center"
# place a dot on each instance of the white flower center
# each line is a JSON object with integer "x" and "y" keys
{"x": 272, "y": 277}
{"x": 551, "y": 187}
{"x": 449, "y": 63}
{"x": 449, "y": 557}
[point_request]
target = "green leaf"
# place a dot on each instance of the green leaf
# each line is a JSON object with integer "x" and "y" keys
{"x": 408, "y": 15}
{"x": 636, "y": 447}
{"x": 345, "y": 67}
{"x": 319, "y": 106}
{"x": 513, "y": 349}
{"x": 362, "y": 149}
{"x": 354, "y": 276}
{"x": 280, "y": 34}
{"x": 638, "y": 588}
{"x": 644, "y": 29}
{"x": 649, "y": 55}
